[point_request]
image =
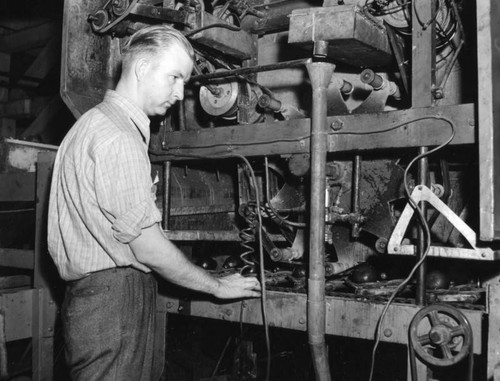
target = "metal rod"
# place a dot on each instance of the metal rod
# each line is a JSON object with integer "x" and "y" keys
{"x": 320, "y": 74}
{"x": 250, "y": 70}
{"x": 423, "y": 174}
{"x": 166, "y": 195}
{"x": 355, "y": 196}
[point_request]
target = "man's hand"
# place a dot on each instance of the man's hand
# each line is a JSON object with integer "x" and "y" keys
{"x": 237, "y": 286}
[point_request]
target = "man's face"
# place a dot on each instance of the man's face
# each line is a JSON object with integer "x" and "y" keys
{"x": 163, "y": 81}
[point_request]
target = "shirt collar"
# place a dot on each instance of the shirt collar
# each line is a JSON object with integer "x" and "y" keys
{"x": 137, "y": 116}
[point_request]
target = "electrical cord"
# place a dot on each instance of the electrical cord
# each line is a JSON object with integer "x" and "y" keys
{"x": 427, "y": 237}
{"x": 263, "y": 298}
{"x": 281, "y": 140}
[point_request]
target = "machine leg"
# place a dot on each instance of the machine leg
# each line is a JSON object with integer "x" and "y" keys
{"x": 493, "y": 366}
{"x": 44, "y": 316}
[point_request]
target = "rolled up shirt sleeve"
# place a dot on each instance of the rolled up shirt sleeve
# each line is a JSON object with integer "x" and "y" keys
{"x": 124, "y": 187}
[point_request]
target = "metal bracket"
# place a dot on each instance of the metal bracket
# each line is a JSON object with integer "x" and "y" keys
{"x": 423, "y": 193}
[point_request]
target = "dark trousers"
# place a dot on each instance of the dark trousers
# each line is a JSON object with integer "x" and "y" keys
{"x": 109, "y": 327}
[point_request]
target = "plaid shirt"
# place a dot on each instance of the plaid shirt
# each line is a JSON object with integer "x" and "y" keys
{"x": 101, "y": 194}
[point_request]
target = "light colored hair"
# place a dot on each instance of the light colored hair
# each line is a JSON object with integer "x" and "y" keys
{"x": 152, "y": 41}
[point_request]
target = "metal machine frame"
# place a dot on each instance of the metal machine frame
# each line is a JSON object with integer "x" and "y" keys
{"x": 475, "y": 124}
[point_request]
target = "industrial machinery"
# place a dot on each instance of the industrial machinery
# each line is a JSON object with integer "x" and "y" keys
{"x": 342, "y": 151}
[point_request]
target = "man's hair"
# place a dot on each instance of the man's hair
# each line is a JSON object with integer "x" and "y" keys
{"x": 154, "y": 40}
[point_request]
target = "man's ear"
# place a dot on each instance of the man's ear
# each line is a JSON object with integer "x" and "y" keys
{"x": 140, "y": 68}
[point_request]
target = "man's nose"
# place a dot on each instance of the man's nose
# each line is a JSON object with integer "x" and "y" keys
{"x": 179, "y": 91}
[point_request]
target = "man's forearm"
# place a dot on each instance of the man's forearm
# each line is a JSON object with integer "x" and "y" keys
{"x": 155, "y": 250}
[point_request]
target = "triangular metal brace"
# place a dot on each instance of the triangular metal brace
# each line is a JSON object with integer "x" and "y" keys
{"x": 423, "y": 193}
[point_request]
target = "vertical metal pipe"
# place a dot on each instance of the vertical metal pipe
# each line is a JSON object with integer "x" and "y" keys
{"x": 166, "y": 194}
{"x": 355, "y": 196}
{"x": 423, "y": 178}
{"x": 320, "y": 74}
{"x": 423, "y": 81}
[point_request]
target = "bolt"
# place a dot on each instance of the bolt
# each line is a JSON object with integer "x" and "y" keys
{"x": 302, "y": 321}
{"x": 395, "y": 249}
{"x": 483, "y": 255}
{"x": 435, "y": 337}
{"x": 438, "y": 93}
{"x": 381, "y": 245}
{"x": 170, "y": 305}
{"x": 387, "y": 332}
{"x": 337, "y": 125}
{"x": 275, "y": 254}
{"x": 471, "y": 122}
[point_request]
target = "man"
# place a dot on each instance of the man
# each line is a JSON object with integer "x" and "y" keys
{"x": 104, "y": 233}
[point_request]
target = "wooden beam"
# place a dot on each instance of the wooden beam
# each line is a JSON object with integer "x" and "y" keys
{"x": 18, "y": 23}
{"x": 17, "y": 187}
{"x": 20, "y": 259}
{"x": 351, "y": 132}
{"x": 29, "y": 38}
{"x": 23, "y": 108}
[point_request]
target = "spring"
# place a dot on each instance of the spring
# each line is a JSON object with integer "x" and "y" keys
{"x": 247, "y": 236}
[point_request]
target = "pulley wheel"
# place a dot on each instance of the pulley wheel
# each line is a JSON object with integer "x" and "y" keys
{"x": 443, "y": 330}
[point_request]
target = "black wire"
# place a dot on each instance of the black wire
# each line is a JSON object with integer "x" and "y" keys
{"x": 391, "y": 10}
{"x": 263, "y": 298}
{"x": 218, "y": 25}
{"x": 281, "y": 140}
{"x": 427, "y": 238}
{"x": 371, "y": 132}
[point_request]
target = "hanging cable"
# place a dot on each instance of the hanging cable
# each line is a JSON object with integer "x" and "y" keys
{"x": 427, "y": 235}
{"x": 261, "y": 267}
{"x": 263, "y": 298}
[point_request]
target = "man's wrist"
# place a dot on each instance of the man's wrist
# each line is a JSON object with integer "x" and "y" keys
{"x": 216, "y": 286}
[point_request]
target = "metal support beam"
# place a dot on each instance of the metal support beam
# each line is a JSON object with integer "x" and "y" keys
{"x": 353, "y": 132}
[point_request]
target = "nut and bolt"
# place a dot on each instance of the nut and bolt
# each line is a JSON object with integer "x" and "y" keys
{"x": 337, "y": 125}
{"x": 387, "y": 332}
